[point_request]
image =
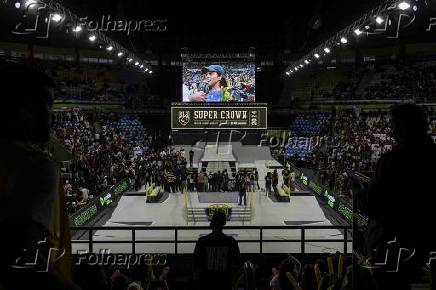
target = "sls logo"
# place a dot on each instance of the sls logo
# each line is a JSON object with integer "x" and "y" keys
{"x": 184, "y": 117}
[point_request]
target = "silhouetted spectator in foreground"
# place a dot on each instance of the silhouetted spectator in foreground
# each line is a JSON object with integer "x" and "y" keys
{"x": 401, "y": 201}
{"x": 216, "y": 257}
{"x": 280, "y": 281}
{"x": 29, "y": 181}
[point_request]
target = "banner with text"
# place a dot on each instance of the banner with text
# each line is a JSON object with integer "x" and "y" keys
{"x": 218, "y": 117}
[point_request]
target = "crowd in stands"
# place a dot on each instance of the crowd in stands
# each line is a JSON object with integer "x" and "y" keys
{"x": 414, "y": 82}
{"x": 107, "y": 148}
{"x": 96, "y": 82}
{"x": 334, "y": 272}
{"x": 390, "y": 82}
{"x": 322, "y": 273}
{"x": 348, "y": 140}
{"x": 346, "y": 89}
{"x": 303, "y": 128}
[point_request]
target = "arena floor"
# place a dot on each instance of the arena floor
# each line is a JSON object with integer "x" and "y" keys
{"x": 133, "y": 211}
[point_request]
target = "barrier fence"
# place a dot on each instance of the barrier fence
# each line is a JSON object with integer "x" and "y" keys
{"x": 178, "y": 237}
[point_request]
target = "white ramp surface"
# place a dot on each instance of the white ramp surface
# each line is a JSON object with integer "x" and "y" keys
{"x": 133, "y": 211}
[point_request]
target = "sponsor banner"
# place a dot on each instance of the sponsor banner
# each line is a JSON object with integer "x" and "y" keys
{"x": 86, "y": 214}
{"x": 219, "y": 117}
{"x": 343, "y": 209}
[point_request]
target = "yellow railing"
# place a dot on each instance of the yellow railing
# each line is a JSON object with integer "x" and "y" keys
{"x": 185, "y": 195}
{"x": 251, "y": 205}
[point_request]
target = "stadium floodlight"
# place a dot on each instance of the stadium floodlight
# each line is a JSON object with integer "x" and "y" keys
{"x": 288, "y": 73}
{"x": 327, "y": 50}
{"x": 291, "y": 71}
{"x": 92, "y": 38}
{"x": 141, "y": 66}
{"x": 78, "y": 28}
{"x": 344, "y": 40}
{"x": 301, "y": 65}
{"x": 109, "y": 48}
{"x": 29, "y": 3}
{"x": 150, "y": 72}
{"x": 306, "y": 61}
{"x": 296, "y": 68}
{"x": 357, "y": 31}
{"x": 404, "y": 5}
{"x": 379, "y": 20}
{"x": 120, "y": 54}
{"x": 316, "y": 55}
{"x": 17, "y": 5}
{"x": 146, "y": 69}
{"x": 56, "y": 17}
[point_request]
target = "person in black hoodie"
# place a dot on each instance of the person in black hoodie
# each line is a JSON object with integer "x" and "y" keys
{"x": 216, "y": 257}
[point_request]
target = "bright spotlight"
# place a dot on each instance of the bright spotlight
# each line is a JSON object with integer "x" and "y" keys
{"x": 327, "y": 50}
{"x": 141, "y": 66}
{"x": 150, "y": 72}
{"x": 56, "y": 17}
{"x": 136, "y": 63}
{"x": 129, "y": 60}
{"x": 120, "y": 54}
{"x": 358, "y": 31}
{"x": 379, "y": 20}
{"x": 146, "y": 69}
{"x": 17, "y": 5}
{"x": 28, "y": 3}
{"x": 301, "y": 65}
{"x": 288, "y": 73}
{"x": 296, "y": 68}
{"x": 109, "y": 48}
{"x": 344, "y": 40}
{"x": 404, "y": 5}
{"x": 92, "y": 38}
{"x": 316, "y": 55}
{"x": 78, "y": 28}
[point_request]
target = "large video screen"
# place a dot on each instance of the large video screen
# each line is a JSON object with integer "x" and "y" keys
{"x": 214, "y": 81}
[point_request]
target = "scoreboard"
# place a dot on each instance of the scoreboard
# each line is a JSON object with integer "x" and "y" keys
{"x": 219, "y": 116}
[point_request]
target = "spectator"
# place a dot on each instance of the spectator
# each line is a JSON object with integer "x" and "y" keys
{"x": 281, "y": 281}
{"x": 275, "y": 180}
{"x": 216, "y": 257}
{"x": 268, "y": 183}
{"x": 410, "y": 203}
{"x": 29, "y": 181}
{"x": 191, "y": 157}
{"x": 242, "y": 188}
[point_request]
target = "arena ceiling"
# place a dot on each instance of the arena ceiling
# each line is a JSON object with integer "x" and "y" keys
{"x": 292, "y": 26}
{"x": 274, "y": 29}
